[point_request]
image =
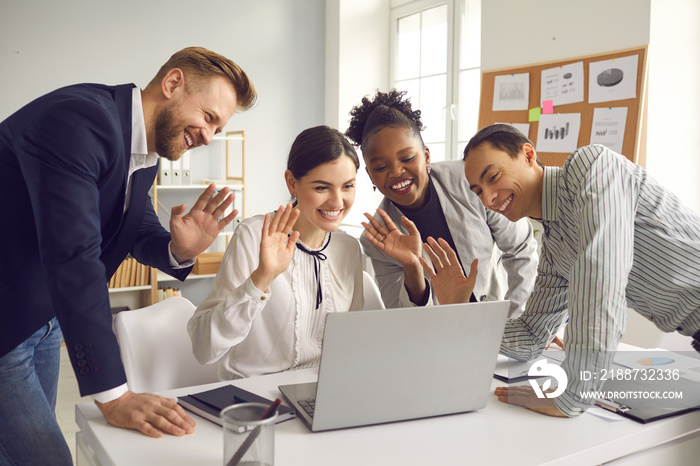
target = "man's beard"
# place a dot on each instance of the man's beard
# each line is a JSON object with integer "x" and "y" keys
{"x": 168, "y": 135}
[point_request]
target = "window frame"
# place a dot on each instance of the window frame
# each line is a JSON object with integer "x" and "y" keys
{"x": 455, "y": 11}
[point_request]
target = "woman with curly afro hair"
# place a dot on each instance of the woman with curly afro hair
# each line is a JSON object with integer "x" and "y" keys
{"x": 432, "y": 202}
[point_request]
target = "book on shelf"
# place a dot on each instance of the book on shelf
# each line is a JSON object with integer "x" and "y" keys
{"x": 210, "y": 403}
{"x": 138, "y": 274}
{"x": 130, "y": 273}
{"x": 133, "y": 265}
{"x": 165, "y": 293}
{"x": 118, "y": 276}
{"x": 145, "y": 275}
{"x": 125, "y": 272}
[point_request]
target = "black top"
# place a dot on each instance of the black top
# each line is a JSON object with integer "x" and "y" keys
{"x": 430, "y": 221}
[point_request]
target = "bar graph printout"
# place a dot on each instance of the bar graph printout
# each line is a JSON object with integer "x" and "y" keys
{"x": 511, "y": 92}
{"x": 608, "y": 127}
{"x": 558, "y": 132}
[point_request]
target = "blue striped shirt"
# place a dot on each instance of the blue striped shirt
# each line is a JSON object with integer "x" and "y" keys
{"x": 613, "y": 238}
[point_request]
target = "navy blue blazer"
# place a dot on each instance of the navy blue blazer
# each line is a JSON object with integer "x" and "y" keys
{"x": 64, "y": 161}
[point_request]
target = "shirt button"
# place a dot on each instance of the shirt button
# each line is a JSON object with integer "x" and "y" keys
{"x": 679, "y": 329}
{"x": 78, "y": 347}
{"x": 651, "y": 318}
{"x": 483, "y": 297}
{"x": 84, "y": 371}
{"x": 262, "y": 298}
{"x": 81, "y": 363}
{"x": 80, "y": 354}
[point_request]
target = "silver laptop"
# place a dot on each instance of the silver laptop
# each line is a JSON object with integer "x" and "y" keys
{"x": 399, "y": 364}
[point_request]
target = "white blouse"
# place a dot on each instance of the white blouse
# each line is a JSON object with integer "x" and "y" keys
{"x": 253, "y": 333}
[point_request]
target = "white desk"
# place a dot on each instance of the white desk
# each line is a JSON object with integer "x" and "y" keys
{"x": 497, "y": 434}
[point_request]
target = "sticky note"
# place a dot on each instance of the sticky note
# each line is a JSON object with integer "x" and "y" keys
{"x": 547, "y": 107}
{"x": 534, "y": 114}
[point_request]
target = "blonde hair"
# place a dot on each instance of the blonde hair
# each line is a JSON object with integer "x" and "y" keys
{"x": 203, "y": 64}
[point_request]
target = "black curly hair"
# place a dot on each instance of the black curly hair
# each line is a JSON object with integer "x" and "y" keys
{"x": 385, "y": 109}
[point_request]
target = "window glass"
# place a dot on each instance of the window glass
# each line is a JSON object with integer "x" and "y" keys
{"x": 433, "y": 41}
{"x": 412, "y": 88}
{"x": 408, "y": 60}
{"x": 469, "y": 95}
{"x": 432, "y": 106}
{"x": 437, "y": 152}
{"x": 429, "y": 36}
{"x": 470, "y": 46}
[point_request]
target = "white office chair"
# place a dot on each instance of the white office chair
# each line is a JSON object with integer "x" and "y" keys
{"x": 373, "y": 298}
{"x": 156, "y": 349}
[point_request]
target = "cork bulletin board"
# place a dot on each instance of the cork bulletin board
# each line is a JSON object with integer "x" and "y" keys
{"x": 633, "y": 146}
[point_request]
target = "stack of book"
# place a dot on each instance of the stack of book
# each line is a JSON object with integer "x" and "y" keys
{"x": 210, "y": 403}
{"x": 164, "y": 293}
{"x": 130, "y": 273}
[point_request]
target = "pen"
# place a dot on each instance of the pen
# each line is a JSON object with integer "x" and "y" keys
{"x": 612, "y": 406}
{"x": 238, "y": 399}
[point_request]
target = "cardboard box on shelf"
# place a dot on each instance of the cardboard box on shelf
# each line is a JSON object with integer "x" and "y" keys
{"x": 207, "y": 262}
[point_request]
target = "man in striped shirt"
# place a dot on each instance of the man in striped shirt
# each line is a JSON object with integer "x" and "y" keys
{"x": 613, "y": 238}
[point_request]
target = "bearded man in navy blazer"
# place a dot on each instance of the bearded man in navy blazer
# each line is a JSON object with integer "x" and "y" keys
{"x": 75, "y": 169}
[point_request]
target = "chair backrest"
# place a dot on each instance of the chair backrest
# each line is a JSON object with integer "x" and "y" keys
{"x": 156, "y": 349}
{"x": 373, "y": 298}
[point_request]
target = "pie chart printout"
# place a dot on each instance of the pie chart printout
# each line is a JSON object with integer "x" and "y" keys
{"x": 610, "y": 77}
{"x": 655, "y": 361}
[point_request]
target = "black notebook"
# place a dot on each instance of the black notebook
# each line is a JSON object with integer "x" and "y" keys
{"x": 210, "y": 403}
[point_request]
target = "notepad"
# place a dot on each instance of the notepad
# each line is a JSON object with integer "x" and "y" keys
{"x": 509, "y": 370}
{"x": 210, "y": 403}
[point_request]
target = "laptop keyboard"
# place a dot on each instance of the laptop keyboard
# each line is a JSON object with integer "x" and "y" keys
{"x": 308, "y": 405}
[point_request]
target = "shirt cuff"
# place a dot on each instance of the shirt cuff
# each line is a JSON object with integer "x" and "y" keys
{"x": 405, "y": 299}
{"x": 179, "y": 265}
{"x": 252, "y": 292}
{"x": 571, "y": 405}
{"x": 111, "y": 394}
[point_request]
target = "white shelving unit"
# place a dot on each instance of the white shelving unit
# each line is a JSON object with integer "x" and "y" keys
{"x": 220, "y": 163}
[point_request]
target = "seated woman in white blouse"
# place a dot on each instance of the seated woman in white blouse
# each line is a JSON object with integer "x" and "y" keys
{"x": 284, "y": 271}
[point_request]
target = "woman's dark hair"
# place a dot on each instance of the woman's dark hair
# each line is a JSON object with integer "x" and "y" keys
{"x": 316, "y": 146}
{"x": 502, "y": 137}
{"x": 386, "y": 109}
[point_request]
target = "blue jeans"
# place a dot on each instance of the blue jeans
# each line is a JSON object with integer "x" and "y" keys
{"x": 30, "y": 434}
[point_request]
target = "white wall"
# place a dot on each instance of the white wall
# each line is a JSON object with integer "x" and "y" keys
{"x": 673, "y": 141}
{"x": 521, "y": 32}
{"x": 280, "y": 44}
{"x": 357, "y": 64}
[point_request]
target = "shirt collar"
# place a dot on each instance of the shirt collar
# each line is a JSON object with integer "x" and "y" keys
{"x": 139, "y": 146}
{"x": 550, "y": 191}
